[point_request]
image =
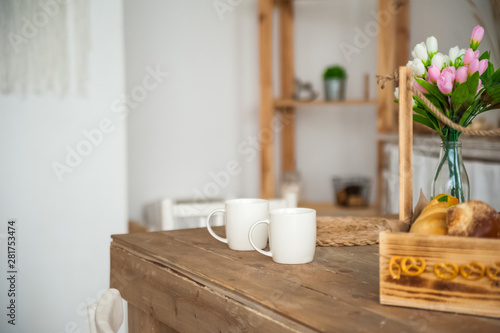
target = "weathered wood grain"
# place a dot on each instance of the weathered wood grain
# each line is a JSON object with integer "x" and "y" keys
{"x": 337, "y": 292}
{"x": 385, "y": 66}
{"x": 427, "y": 290}
{"x": 144, "y": 322}
{"x": 286, "y": 10}
{"x": 405, "y": 144}
{"x": 266, "y": 99}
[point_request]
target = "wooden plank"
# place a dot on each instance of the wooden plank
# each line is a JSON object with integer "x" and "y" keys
{"x": 184, "y": 304}
{"x": 136, "y": 227}
{"x": 385, "y": 66}
{"x": 329, "y": 209}
{"x": 380, "y": 174}
{"x": 284, "y": 103}
{"x": 366, "y": 91}
{"x": 288, "y": 116}
{"x": 337, "y": 292}
{"x": 402, "y": 37}
{"x": 405, "y": 144}
{"x": 428, "y": 290}
{"x": 266, "y": 99}
{"x": 257, "y": 281}
{"x": 142, "y": 322}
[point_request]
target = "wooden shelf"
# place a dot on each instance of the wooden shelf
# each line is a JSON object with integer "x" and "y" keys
{"x": 280, "y": 103}
{"x": 329, "y": 209}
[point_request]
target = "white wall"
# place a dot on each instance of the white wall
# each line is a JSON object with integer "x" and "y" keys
{"x": 64, "y": 227}
{"x": 207, "y": 109}
{"x": 192, "y": 123}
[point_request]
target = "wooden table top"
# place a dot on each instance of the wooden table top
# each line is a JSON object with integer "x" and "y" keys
{"x": 178, "y": 276}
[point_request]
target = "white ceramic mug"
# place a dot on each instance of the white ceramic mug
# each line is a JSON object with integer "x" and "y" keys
{"x": 292, "y": 235}
{"x": 240, "y": 214}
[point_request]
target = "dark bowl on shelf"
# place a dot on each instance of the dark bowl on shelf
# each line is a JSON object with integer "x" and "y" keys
{"x": 351, "y": 191}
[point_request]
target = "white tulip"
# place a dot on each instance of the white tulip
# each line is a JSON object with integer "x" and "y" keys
{"x": 438, "y": 60}
{"x": 418, "y": 67}
{"x": 454, "y": 53}
{"x": 432, "y": 44}
{"x": 409, "y": 63}
{"x": 420, "y": 52}
{"x": 446, "y": 60}
{"x": 462, "y": 52}
{"x": 396, "y": 92}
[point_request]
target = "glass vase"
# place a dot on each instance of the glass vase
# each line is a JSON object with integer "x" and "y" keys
{"x": 450, "y": 176}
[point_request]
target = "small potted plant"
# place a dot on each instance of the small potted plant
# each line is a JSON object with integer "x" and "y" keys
{"x": 334, "y": 78}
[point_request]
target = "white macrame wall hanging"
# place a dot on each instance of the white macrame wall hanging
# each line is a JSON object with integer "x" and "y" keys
{"x": 44, "y": 46}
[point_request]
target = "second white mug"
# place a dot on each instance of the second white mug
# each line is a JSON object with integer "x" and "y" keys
{"x": 292, "y": 235}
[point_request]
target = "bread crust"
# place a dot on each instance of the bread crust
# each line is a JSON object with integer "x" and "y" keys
{"x": 473, "y": 219}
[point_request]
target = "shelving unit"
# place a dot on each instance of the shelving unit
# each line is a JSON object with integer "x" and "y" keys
{"x": 284, "y": 103}
{"x": 393, "y": 32}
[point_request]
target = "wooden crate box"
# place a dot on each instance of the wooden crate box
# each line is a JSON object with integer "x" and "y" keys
{"x": 477, "y": 291}
{"x": 436, "y": 272}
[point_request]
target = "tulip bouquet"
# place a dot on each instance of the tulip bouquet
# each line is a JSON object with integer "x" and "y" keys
{"x": 462, "y": 85}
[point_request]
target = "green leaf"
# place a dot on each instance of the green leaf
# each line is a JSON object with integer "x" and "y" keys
{"x": 423, "y": 120}
{"x": 485, "y": 55}
{"x": 420, "y": 111}
{"x": 459, "y": 96}
{"x": 472, "y": 83}
{"x": 444, "y": 198}
{"x": 488, "y": 72}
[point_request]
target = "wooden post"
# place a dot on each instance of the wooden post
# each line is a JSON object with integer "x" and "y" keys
{"x": 287, "y": 84}
{"x": 405, "y": 144}
{"x": 266, "y": 99}
{"x": 367, "y": 88}
{"x": 402, "y": 33}
{"x": 385, "y": 65}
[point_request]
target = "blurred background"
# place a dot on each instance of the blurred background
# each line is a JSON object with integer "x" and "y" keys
{"x": 110, "y": 107}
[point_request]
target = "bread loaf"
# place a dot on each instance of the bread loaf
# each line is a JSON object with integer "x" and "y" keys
{"x": 474, "y": 219}
{"x": 432, "y": 220}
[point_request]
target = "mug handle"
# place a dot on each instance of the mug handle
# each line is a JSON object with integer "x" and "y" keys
{"x": 266, "y": 253}
{"x": 219, "y": 238}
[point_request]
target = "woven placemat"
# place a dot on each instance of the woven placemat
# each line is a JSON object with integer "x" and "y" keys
{"x": 349, "y": 231}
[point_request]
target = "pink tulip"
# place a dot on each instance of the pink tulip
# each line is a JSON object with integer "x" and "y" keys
{"x": 474, "y": 66}
{"x": 462, "y": 73}
{"x": 469, "y": 56}
{"x": 433, "y": 73}
{"x": 483, "y": 64}
{"x": 476, "y": 37}
{"x": 445, "y": 84}
{"x": 449, "y": 72}
{"x": 417, "y": 86}
{"x": 479, "y": 86}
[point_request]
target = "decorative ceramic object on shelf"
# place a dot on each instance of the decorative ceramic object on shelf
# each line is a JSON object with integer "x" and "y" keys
{"x": 304, "y": 91}
{"x": 334, "y": 81}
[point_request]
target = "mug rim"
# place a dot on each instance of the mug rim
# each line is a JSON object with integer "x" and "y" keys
{"x": 245, "y": 201}
{"x": 292, "y": 211}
